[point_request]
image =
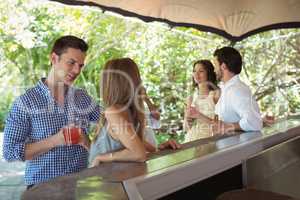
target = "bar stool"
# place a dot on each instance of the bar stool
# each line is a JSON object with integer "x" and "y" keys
{"x": 252, "y": 194}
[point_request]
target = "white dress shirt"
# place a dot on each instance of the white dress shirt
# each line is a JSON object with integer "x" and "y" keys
{"x": 237, "y": 105}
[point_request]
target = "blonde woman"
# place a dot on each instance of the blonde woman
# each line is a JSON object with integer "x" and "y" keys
{"x": 121, "y": 133}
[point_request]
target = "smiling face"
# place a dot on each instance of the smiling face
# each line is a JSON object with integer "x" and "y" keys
{"x": 68, "y": 65}
{"x": 199, "y": 74}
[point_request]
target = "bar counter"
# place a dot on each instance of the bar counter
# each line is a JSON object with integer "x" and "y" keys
{"x": 167, "y": 171}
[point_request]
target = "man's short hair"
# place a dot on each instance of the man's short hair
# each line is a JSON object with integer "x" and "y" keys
{"x": 69, "y": 41}
{"x": 231, "y": 57}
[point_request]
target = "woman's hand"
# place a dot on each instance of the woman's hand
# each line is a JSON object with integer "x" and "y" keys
{"x": 221, "y": 128}
{"x": 102, "y": 158}
{"x": 170, "y": 144}
{"x": 192, "y": 113}
{"x": 96, "y": 162}
{"x": 155, "y": 114}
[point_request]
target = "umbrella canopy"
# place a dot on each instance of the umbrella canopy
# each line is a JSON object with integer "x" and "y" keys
{"x": 232, "y": 19}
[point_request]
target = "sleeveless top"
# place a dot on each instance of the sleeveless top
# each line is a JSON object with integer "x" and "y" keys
{"x": 206, "y": 106}
{"x": 104, "y": 143}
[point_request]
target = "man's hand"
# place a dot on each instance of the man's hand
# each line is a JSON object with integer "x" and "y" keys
{"x": 74, "y": 135}
{"x": 268, "y": 120}
{"x": 220, "y": 127}
{"x": 58, "y": 139}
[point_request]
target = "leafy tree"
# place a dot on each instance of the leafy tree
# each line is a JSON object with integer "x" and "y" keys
{"x": 165, "y": 56}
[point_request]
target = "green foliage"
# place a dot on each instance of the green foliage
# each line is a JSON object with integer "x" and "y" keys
{"x": 165, "y": 56}
{"x": 272, "y": 69}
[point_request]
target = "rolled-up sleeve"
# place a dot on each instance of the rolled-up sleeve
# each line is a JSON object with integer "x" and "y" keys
{"x": 16, "y": 131}
{"x": 247, "y": 108}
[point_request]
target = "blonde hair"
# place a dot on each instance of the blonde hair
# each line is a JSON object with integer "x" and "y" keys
{"x": 121, "y": 85}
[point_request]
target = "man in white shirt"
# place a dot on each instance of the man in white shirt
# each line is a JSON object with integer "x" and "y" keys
{"x": 237, "y": 109}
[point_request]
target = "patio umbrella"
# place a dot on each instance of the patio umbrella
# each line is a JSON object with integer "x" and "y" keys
{"x": 232, "y": 19}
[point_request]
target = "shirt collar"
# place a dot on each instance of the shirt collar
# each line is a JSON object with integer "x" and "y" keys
{"x": 43, "y": 87}
{"x": 46, "y": 91}
{"x": 232, "y": 81}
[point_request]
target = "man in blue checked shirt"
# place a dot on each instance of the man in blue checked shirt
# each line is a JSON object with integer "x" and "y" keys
{"x": 33, "y": 129}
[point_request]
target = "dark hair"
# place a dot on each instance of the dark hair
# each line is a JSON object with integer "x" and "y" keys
{"x": 231, "y": 57}
{"x": 68, "y": 41}
{"x": 211, "y": 75}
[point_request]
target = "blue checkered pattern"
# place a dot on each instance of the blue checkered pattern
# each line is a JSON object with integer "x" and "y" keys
{"x": 35, "y": 116}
